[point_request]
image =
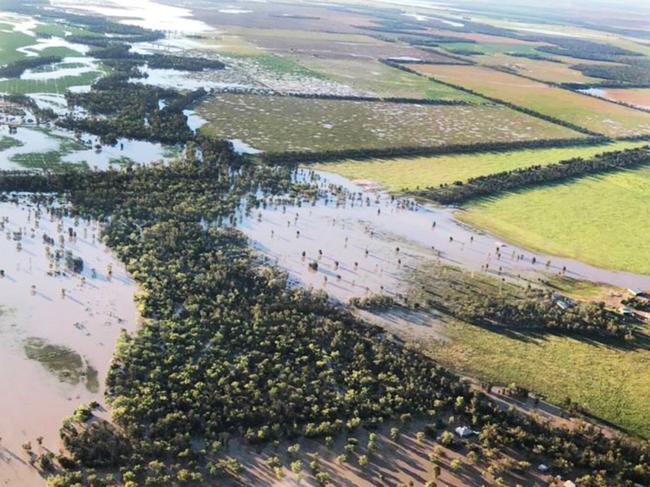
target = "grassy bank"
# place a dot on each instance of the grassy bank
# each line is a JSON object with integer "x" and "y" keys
{"x": 604, "y": 380}
{"x": 601, "y": 220}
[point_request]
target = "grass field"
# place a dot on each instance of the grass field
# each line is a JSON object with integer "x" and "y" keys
{"x": 601, "y": 220}
{"x": 587, "y": 112}
{"x": 381, "y": 80}
{"x": 604, "y": 380}
{"x": 10, "y": 41}
{"x": 403, "y": 174}
{"x": 297, "y": 124}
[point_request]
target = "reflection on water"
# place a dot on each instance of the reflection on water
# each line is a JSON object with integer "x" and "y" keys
{"x": 58, "y": 328}
{"x": 144, "y": 13}
{"x": 35, "y": 141}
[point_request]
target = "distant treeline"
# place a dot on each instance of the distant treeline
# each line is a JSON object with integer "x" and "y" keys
{"x": 17, "y": 68}
{"x": 534, "y": 57}
{"x": 322, "y": 96}
{"x": 497, "y": 183}
{"x": 292, "y": 158}
{"x": 518, "y": 108}
{"x": 635, "y": 73}
{"x": 156, "y": 61}
{"x": 558, "y": 45}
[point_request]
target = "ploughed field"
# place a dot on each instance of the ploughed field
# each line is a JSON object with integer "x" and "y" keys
{"x": 404, "y": 174}
{"x": 583, "y": 111}
{"x": 601, "y": 219}
{"x": 279, "y": 124}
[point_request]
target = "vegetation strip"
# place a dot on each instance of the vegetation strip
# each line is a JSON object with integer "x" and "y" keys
{"x": 494, "y": 184}
{"x": 292, "y": 158}
{"x": 321, "y": 96}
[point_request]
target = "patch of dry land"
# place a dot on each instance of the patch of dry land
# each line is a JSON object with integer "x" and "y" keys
{"x": 584, "y": 111}
{"x": 279, "y": 124}
{"x": 58, "y": 328}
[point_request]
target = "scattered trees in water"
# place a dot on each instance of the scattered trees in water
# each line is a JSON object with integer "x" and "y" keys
{"x": 228, "y": 348}
{"x": 124, "y": 109}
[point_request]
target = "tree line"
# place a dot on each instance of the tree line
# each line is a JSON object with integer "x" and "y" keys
{"x": 303, "y": 157}
{"x": 228, "y": 349}
{"x": 492, "y": 184}
{"x": 540, "y": 311}
{"x": 17, "y": 68}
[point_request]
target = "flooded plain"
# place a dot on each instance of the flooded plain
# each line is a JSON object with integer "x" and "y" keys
{"x": 365, "y": 242}
{"x": 58, "y": 327}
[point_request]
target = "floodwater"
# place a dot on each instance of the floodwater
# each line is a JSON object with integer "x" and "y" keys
{"x": 39, "y": 140}
{"x": 144, "y": 13}
{"x": 56, "y": 348}
{"x": 359, "y": 239}
{"x": 45, "y": 43}
{"x": 82, "y": 65}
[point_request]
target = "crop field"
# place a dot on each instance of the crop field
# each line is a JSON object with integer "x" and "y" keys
{"x": 377, "y": 79}
{"x": 591, "y": 113}
{"x": 335, "y": 45}
{"x": 549, "y": 71}
{"x": 633, "y": 96}
{"x": 601, "y": 220}
{"x": 604, "y": 380}
{"x": 404, "y": 174}
{"x": 279, "y": 124}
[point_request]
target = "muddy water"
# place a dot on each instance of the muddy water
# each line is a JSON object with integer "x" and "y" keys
{"x": 55, "y": 349}
{"x": 343, "y": 231}
{"x": 41, "y": 140}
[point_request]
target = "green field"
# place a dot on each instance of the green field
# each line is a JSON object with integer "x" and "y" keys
{"x": 604, "y": 380}
{"x": 10, "y": 41}
{"x": 403, "y": 174}
{"x": 282, "y": 123}
{"x": 601, "y": 220}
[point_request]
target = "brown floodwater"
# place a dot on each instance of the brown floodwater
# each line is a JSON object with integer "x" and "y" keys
{"x": 336, "y": 235}
{"x": 57, "y": 338}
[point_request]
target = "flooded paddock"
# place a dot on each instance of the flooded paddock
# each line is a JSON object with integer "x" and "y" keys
{"x": 58, "y": 328}
{"x": 364, "y": 242}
